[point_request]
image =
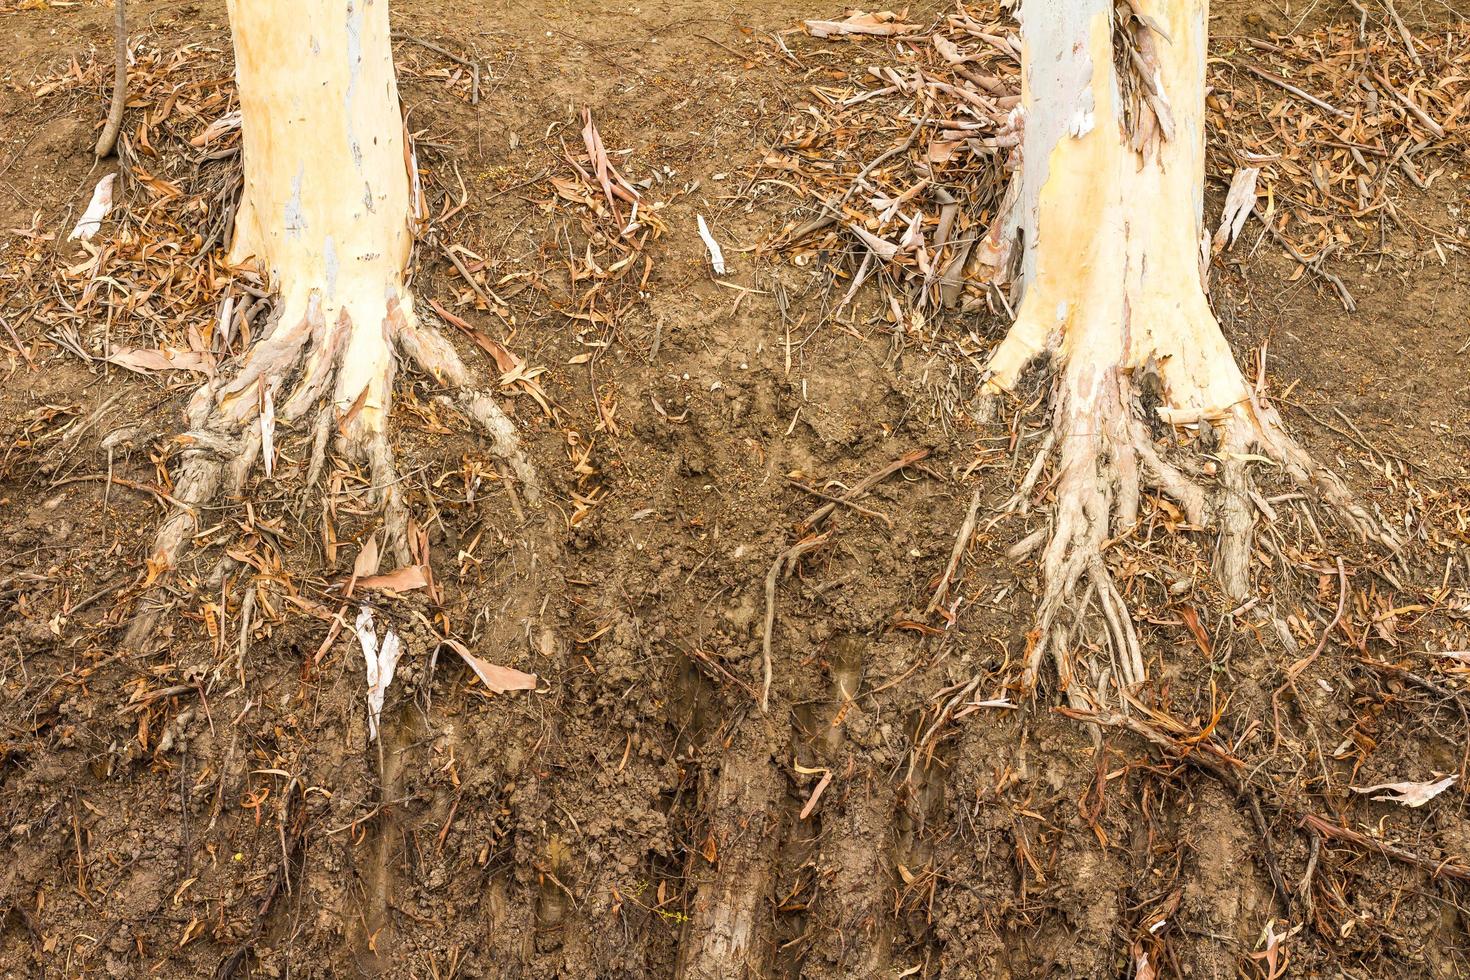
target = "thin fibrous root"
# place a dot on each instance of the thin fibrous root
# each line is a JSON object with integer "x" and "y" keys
{"x": 1104, "y": 457}
{"x": 342, "y": 366}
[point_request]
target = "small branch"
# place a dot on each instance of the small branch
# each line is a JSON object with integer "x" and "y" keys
{"x": 130, "y": 484}
{"x": 1299, "y": 93}
{"x": 961, "y": 542}
{"x": 1404, "y": 34}
{"x": 1411, "y": 105}
{"x": 883, "y": 158}
{"x": 843, "y": 503}
{"x": 488, "y": 298}
{"x": 863, "y": 485}
{"x": 473, "y": 67}
{"x": 946, "y": 711}
{"x": 1295, "y": 670}
{"x": 1315, "y": 265}
{"x": 108, "y": 140}
{"x": 1448, "y": 868}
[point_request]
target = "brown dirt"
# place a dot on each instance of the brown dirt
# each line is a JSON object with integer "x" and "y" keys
{"x": 637, "y": 813}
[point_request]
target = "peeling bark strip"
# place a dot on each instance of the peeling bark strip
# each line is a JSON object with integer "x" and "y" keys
{"x": 1109, "y": 213}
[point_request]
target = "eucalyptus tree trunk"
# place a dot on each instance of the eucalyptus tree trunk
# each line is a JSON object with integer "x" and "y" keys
{"x": 326, "y": 211}
{"x": 327, "y": 217}
{"x": 1106, "y": 229}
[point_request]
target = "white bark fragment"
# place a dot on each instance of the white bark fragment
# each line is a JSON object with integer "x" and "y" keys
{"x": 1239, "y": 203}
{"x": 716, "y": 255}
{"x": 268, "y": 433}
{"x": 1409, "y": 794}
{"x": 382, "y": 662}
{"x": 91, "y": 220}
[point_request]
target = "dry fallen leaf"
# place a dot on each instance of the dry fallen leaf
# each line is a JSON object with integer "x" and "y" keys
{"x": 405, "y": 579}
{"x": 225, "y": 124}
{"x": 366, "y": 563}
{"x": 150, "y": 361}
{"x": 504, "y": 359}
{"x": 495, "y": 678}
{"x": 821, "y": 787}
{"x": 884, "y": 24}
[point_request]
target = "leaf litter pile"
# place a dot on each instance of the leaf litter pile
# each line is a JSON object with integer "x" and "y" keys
{"x": 898, "y": 165}
{"x": 902, "y": 167}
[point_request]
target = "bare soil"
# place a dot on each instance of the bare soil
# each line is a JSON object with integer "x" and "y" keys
{"x": 214, "y": 807}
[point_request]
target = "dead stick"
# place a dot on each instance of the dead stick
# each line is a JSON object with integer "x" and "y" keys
{"x": 884, "y": 157}
{"x": 863, "y": 485}
{"x": 844, "y": 503}
{"x": 1412, "y": 106}
{"x": 108, "y": 139}
{"x": 438, "y": 49}
{"x": 489, "y": 298}
{"x": 1315, "y": 266}
{"x": 1448, "y": 868}
{"x": 1404, "y": 34}
{"x": 961, "y": 541}
{"x": 1299, "y": 93}
{"x": 130, "y": 484}
{"x": 1295, "y": 670}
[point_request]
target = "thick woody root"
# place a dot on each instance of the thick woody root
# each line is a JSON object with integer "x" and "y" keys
{"x": 848, "y": 836}
{"x": 1103, "y": 458}
{"x": 340, "y": 367}
{"x": 724, "y": 938}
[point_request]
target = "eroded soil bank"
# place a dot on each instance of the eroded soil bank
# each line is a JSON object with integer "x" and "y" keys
{"x": 215, "y": 808}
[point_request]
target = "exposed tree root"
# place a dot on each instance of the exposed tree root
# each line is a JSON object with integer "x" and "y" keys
{"x": 732, "y": 880}
{"x": 1104, "y": 457}
{"x": 850, "y": 832}
{"x": 376, "y": 857}
{"x": 339, "y": 364}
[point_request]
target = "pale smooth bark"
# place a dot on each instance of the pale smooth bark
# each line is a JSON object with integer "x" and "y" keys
{"x": 326, "y": 210}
